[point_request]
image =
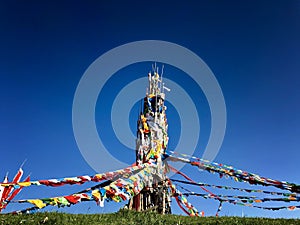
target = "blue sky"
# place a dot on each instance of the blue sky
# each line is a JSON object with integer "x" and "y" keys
{"x": 252, "y": 48}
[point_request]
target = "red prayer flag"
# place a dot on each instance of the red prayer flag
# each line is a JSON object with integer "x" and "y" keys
{"x": 14, "y": 193}
{"x": 17, "y": 191}
{"x": 2, "y": 188}
{"x": 16, "y": 179}
{"x": 3, "y": 193}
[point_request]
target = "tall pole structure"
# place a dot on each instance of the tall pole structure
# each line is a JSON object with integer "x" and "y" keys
{"x": 151, "y": 144}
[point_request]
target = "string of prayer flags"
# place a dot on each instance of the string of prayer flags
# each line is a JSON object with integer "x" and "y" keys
{"x": 244, "y": 199}
{"x": 76, "y": 180}
{"x": 238, "y": 175}
{"x": 286, "y": 194}
{"x": 120, "y": 190}
{"x": 191, "y": 210}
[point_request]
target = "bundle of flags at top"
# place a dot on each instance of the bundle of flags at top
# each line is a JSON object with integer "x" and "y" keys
{"x": 7, "y": 189}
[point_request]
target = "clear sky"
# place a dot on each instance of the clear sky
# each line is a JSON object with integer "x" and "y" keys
{"x": 252, "y": 47}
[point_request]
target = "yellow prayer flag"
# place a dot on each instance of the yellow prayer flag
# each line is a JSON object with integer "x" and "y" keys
{"x": 37, "y": 202}
{"x": 24, "y": 184}
{"x": 96, "y": 194}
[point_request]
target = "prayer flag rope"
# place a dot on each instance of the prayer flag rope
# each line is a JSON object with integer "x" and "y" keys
{"x": 238, "y": 175}
{"x": 76, "y": 180}
{"x": 244, "y": 199}
{"x": 120, "y": 190}
{"x": 286, "y": 194}
{"x": 244, "y": 202}
{"x": 181, "y": 200}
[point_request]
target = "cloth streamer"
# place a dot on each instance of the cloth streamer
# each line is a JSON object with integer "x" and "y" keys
{"x": 119, "y": 190}
{"x": 181, "y": 200}
{"x": 238, "y": 175}
{"x": 286, "y": 194}
{"x": 75, "y": 180}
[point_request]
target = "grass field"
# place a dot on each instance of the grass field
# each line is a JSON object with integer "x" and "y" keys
{"x": 131, "y": 217}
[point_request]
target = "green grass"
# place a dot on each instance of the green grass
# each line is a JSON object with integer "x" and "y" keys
{"x": 130, "y": 217}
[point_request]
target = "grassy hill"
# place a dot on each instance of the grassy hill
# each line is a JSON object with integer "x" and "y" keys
{"x": 131, "y": 217}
